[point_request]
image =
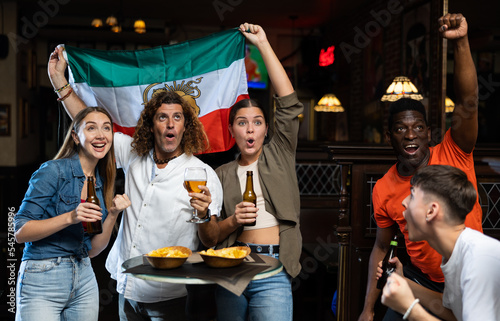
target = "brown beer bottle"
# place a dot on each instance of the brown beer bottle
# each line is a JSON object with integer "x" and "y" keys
{"x": 249, "y": 194}
{"x": 388, "y": 267}
{"x": 92, "y": 227}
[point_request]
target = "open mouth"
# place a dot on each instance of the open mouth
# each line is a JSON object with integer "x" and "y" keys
{"x": 411, "y": 149}
{"x": 170, "y": 135}
{"x": 99, "y": 146}
{"x": 250, "y": 142}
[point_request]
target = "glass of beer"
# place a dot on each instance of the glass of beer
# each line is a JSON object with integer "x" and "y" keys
{"x": 193, "y": 177}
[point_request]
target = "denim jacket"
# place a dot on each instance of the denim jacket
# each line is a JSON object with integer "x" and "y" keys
{"x": 55, "y": 188}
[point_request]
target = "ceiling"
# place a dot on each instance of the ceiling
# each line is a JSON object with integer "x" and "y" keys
{"x": 222, "y": 14}
{"x": 214, "y": 13}
{"x": 273, "y": 13}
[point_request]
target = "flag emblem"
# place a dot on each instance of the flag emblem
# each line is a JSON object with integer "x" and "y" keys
{"x": 186, "y": 91}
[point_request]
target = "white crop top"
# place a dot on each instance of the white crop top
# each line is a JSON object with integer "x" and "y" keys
{"x": 264, "y": 218}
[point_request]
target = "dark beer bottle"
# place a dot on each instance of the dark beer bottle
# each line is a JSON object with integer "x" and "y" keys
{"x": 249, "y": 194}
{"x": 92, "y": 227}
{"x": 388, "y": 267}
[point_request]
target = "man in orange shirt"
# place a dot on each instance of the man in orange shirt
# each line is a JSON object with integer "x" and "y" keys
{"x": 410, "y": 135}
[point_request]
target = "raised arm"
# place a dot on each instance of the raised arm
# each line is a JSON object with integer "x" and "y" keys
{"x": 56, "y": 67}
{"x": 464, "y": 125}
{"x": 256, "y": 36}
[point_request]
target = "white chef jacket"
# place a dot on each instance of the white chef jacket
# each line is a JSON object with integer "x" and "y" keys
{"x": 157, "y": 217}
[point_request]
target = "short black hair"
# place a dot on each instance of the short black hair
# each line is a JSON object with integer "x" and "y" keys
{"x": 450, "y": 185}
{"x": 404, "y": 104}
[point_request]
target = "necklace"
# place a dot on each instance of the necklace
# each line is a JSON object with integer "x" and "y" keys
{"x": 162, "y": 161}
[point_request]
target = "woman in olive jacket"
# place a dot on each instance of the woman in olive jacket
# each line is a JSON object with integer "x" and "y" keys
{"x": 276, "y": 232}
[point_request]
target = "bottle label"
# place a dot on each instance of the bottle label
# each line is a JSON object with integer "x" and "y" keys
{"x": 395, "y": 243}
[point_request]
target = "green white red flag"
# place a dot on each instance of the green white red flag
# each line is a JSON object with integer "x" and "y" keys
{"x": 208, "y": 72}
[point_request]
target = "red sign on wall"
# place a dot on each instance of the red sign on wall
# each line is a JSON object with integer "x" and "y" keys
{"x": 326, "y": 57}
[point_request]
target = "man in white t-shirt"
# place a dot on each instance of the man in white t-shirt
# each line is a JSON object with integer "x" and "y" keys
{"x": 441, "y": 197}
{"x": 167, "y": 135}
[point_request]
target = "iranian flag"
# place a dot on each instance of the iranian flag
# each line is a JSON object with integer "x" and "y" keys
{"x": 208, "y": 72}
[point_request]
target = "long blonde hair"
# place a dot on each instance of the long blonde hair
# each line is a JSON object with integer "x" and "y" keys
{"x": 106, "y": 166}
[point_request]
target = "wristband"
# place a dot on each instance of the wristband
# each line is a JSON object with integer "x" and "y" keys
{"x": 65, "y": 96}
{"x": 207, "y": 216}
{"x": 407, "y": 313}
{"x": 62, "y": 88}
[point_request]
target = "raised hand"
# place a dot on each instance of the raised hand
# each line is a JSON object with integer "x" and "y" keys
{"x": 453, "y": 26}
{"x": 254, "y": 33}
{"x": 56, "y": 67}
{"x": 279, "y": 78}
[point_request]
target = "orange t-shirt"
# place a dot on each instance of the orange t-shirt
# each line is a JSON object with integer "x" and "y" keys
{"x": 390, "y": 191}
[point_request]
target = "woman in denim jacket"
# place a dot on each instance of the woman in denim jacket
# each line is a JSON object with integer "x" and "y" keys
{"x": 56, "y": 280}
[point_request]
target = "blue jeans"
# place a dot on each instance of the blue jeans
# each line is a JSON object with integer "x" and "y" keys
{"x": 170, "y": 310}
{"x": 63, "y": 288}
{"x": 263, "y": 300}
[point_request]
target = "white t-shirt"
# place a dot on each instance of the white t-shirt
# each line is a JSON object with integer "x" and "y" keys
{"x": 472, "y": 277}
{"x": 157, "y": 217}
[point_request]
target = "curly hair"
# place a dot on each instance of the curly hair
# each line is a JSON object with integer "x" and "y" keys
{"x": 194, "y": 140}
